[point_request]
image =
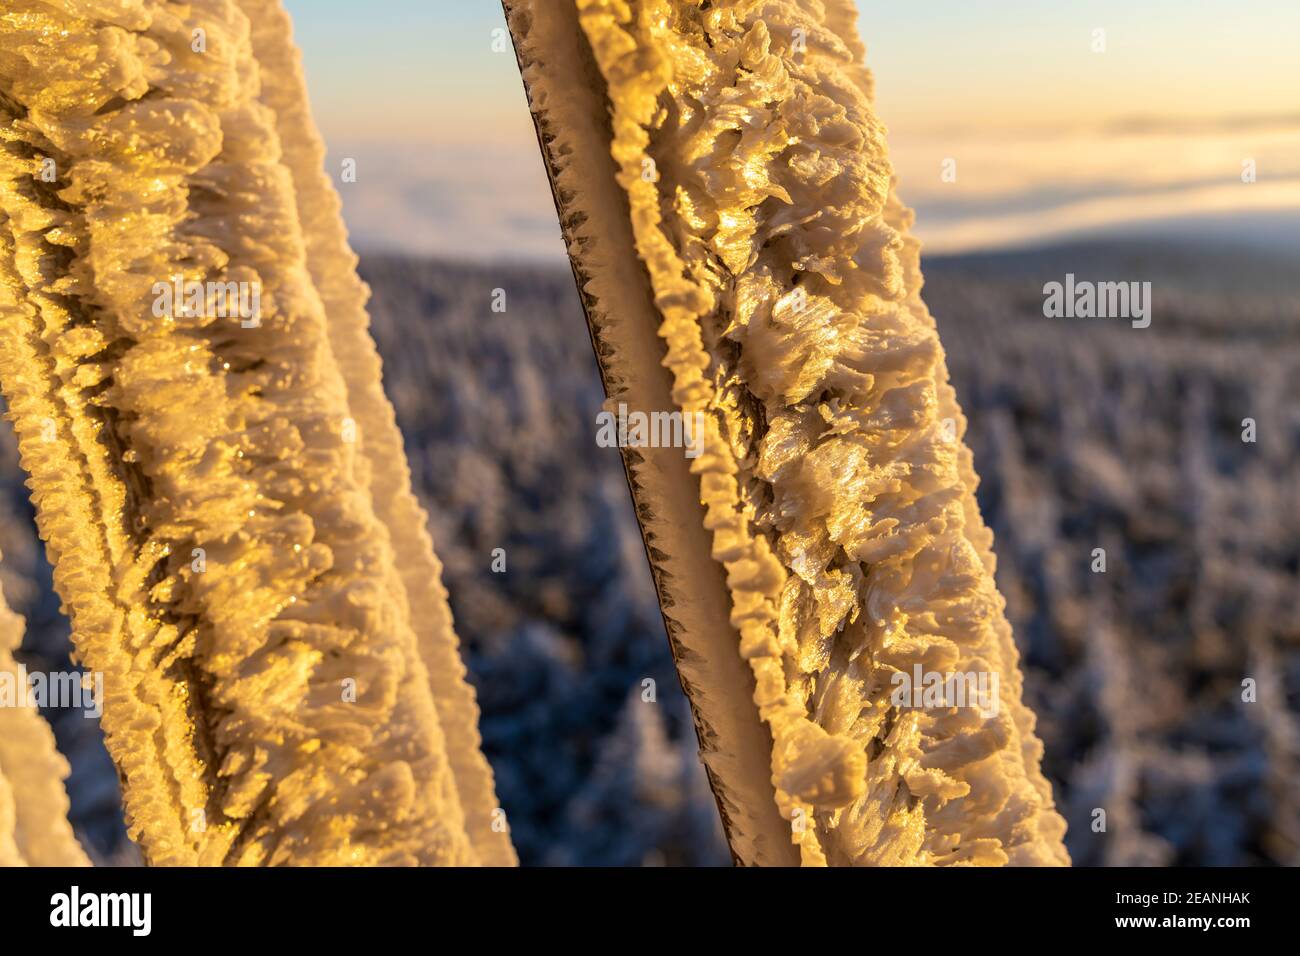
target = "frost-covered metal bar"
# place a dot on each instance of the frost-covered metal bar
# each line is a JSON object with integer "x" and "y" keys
{"x": 723, "y": 181}
{"x": 220, "y": 489}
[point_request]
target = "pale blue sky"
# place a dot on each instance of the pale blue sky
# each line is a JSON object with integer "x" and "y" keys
{"x": 1045, "y": 131}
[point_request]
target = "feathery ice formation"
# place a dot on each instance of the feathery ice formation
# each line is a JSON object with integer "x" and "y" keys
{"x": 222, "y": 489}
{"x": 749, "y": 218}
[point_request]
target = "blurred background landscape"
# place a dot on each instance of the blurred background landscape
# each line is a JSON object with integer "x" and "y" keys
{"x": 1124, "y": 165}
